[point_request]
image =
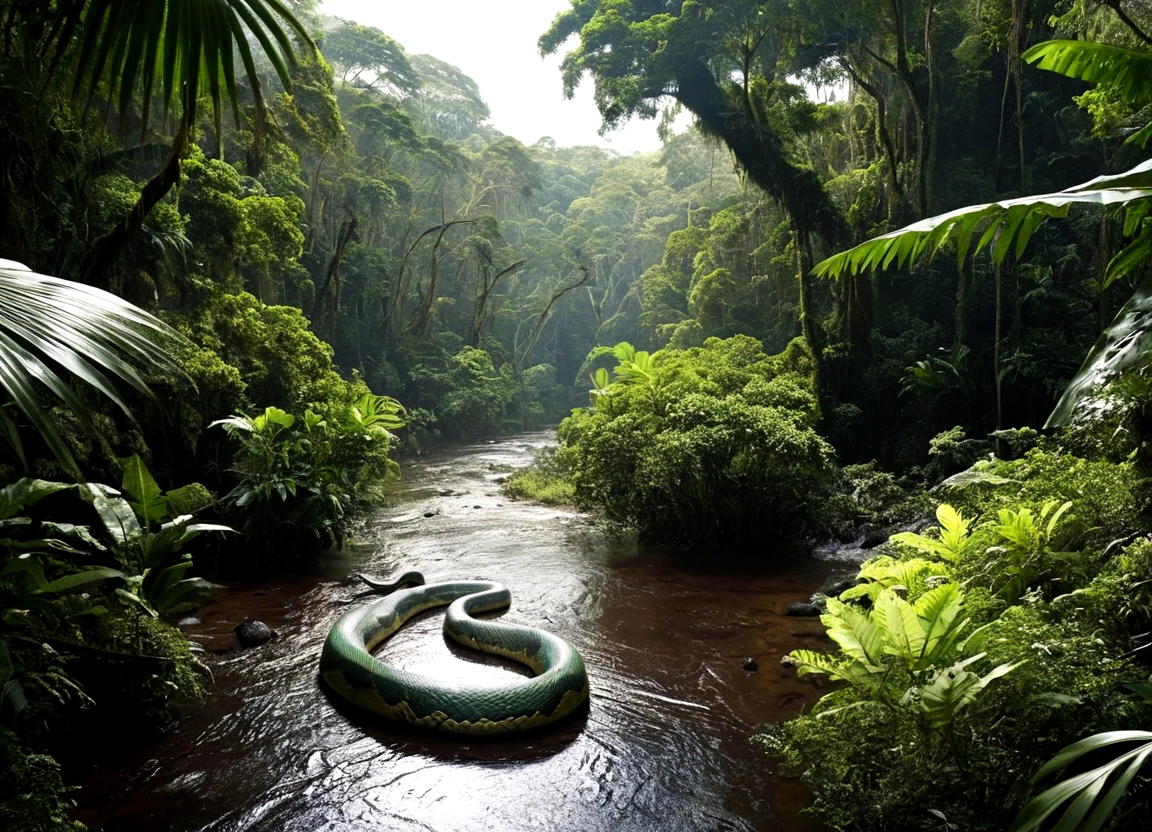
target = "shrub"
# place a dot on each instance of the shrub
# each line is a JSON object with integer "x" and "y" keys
{"x": 301, "y": 480}
{"x": 712, "y": 446}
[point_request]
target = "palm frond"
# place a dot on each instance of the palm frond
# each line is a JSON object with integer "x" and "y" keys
{"x": 1124, "y": 345}
{"x": 177, "y": 49}
{"x": 1086, "y": 804}
{"x": 1128, "y": 71}
{"x": 50, "y": 327}
{"x": 1005, "y": 226}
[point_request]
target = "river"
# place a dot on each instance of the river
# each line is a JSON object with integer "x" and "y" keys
{"x": 664, "y": 744}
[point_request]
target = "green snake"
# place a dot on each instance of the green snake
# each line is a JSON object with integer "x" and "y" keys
{"x": 348, "y": 668}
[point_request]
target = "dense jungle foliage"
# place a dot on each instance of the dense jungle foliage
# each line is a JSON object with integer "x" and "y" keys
{"x": 285, "y": 248}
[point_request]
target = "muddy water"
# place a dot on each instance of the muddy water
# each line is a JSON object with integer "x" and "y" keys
{"x": 663, "y": 745}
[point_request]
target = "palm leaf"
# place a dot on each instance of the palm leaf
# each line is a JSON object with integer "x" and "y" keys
{"x": 178, "y": 49}
{"x": 1124, "y": 345}
{"x": 1127, "y": 71}
{"x": 1004, "y": 222}
{"x": 1086, "y": 809}
{"x": 50, "y": 327}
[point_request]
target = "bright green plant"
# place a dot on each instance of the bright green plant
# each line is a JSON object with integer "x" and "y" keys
{"x": 954, "y": 536}
{"x": 1087, "y": 806}
{"x": 638, "y": 368}
{"x": 148, "y": 542}
{"x": 906, "y": 654}
{"x": 1025, "y": 554}
{"x": 304, "y": 476}
{"x": 882, "y": 572}
{"x": 603, "y": 392}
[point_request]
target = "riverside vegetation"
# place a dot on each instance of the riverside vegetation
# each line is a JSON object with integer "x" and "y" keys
{"x": 288, "y": 247}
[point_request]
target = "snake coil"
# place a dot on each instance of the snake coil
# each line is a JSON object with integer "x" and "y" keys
{"x": 348, "y": 668}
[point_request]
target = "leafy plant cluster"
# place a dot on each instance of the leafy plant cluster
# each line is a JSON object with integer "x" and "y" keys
{"x": 969, "y": 655}
{"x": 77, "y": 600}
{"x": 712, "y": 446}
{"x": 304, "y": 477}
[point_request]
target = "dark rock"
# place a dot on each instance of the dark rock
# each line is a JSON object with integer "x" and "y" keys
{"x": 431, "y": 513}
{"x": 253, "y": 633}
{"x": 750, "y": 664}
{"x": 788, "y": 661}
{"x": 799, "y": 608}
{"x": 874, "y": 537}
{"x": 477, "y": 506}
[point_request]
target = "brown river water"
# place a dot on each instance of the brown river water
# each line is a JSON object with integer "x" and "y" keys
{"x": 663, "y": 746}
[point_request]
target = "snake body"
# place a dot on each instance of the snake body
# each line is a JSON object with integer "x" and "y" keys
{"x": 347, "y": 666}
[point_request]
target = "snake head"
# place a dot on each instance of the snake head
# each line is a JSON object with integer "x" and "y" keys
{"x": 385, "y": 587}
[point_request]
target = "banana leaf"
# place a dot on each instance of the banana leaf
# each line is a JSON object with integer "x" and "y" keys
{"x": 1125, "y": 345}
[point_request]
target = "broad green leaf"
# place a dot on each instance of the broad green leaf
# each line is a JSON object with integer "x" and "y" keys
{"x": 1005, "y": 219}
{"x": 83, "y": 578}
{"x": 1129, "y": 71}
{"x": 26, "y": 492}
{"x": 953, "y": 530}
{"x": 1129, "y": 258}
{"x": 897, "y": 620}
{"x": 116, "y": 516}
{"x": 938, "y": 610}
{"x": 183, "y": 595}
{"x": 854, "y": 631}
{"x": 142, "y": 492}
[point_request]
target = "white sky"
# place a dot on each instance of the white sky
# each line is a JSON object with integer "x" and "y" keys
{"x": 494, "y": 42}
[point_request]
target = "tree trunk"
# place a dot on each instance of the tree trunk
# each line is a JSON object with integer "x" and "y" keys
{"x": 760, "y": 153}
{"x": 103, "y": 253}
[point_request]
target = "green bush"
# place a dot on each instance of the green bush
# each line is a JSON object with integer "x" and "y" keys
{"x": 33, "y": 798}
{"x": 871, "y": 750}
{"x": 712, "y": 446}
{"x": 300, "y": 481}
{"x": 1105, "y": 496}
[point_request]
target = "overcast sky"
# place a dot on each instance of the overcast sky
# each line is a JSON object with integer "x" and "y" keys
{"x": 494, "y": 42}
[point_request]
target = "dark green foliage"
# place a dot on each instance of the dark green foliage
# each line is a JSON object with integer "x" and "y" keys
{"x": 710, "y": 447}
{"x": 300, "y": 481}
{"x": 33, "y": 798}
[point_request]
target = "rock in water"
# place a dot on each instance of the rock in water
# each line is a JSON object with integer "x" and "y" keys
{"x": 750, "y": 664}
{"x": 253, "y": 633}
{"x": 799, "y": 608}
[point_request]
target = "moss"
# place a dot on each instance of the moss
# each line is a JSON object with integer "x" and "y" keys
{"x": 33, "y": 798}
{"x": 544, "y": 481}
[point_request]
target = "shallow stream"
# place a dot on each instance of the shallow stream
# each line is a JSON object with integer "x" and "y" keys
{"x": 663, "y": 746}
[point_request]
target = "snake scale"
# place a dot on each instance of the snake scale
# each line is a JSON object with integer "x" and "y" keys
{"x": 349, "y": 669}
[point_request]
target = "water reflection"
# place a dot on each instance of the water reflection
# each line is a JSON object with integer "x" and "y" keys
{"x": 662, "y": 746}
